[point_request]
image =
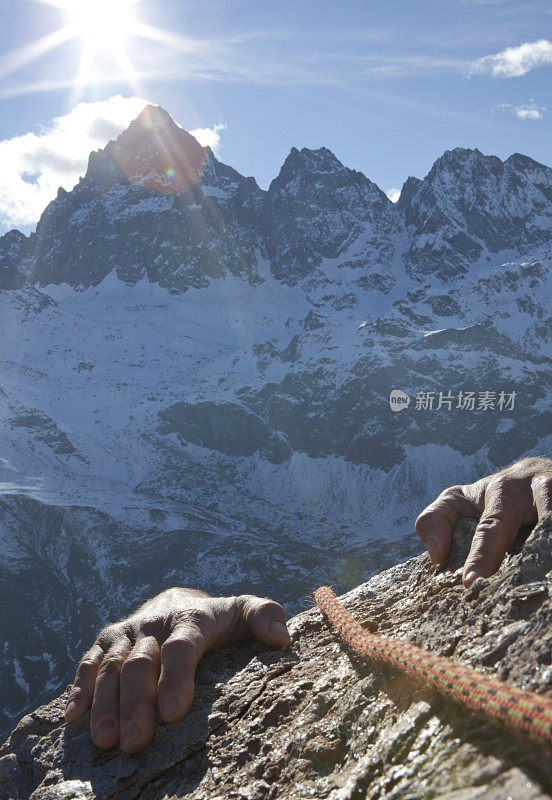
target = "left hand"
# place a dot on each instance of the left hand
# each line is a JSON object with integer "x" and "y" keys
{"x": 150, "y": 659}
{"x": 518, "y": 495}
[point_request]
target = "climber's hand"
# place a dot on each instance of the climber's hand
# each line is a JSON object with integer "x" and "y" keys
{"x": 519, "y": 495}
{"x": 152, "y": 655}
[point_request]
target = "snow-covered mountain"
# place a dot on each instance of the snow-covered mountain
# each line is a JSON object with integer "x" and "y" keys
{"x": 195, "y": 377}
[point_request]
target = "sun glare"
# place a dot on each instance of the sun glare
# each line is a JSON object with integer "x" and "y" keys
{"x": 101, "y": 24}
{"x": 105, "y": 28}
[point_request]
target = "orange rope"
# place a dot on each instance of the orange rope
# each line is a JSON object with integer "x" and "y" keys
{"x": 523, "y": 711}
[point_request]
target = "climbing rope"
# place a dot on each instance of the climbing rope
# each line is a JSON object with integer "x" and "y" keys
{"x": 518, "y": 709}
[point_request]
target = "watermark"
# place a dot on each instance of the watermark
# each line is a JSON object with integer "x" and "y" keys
{"x": 398, "y": 400}
{"x": 463, "y": 400}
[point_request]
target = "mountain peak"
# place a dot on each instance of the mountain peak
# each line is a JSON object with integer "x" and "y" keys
{"x": 457, "y": 157}
{"x": 463, "y": 167}
{"x": 322, "y": 158}
{"x": 151, "y": 116}
{"x": 154, "y": 152}
{"x": 307, "y": 164}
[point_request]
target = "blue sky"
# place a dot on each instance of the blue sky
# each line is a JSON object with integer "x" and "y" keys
{"x": 386, "y": 86}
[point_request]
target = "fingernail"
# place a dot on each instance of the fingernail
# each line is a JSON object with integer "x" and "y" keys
{"x": 279, "y": 628}
{"x": 131, "y": 734}
{"x": 70, "y": 709}
{"x": 169, "y": 705}
{"x": 104, "y": 728}
{"x": 471, "y": 576}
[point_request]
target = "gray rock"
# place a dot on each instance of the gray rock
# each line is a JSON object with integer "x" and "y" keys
{"x": 315, "y": 721}
{"x": 226, "y": 427}
{"x": 469, "y": 202}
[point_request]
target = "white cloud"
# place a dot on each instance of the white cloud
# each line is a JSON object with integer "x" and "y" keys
{"x": 515, "y": 61}
{"x": 210, "y": 137}
{"x": 526, "y": 112}
{"x": 393, "y": 194}
{"x": 34, "y": 165}
{"x": 529, "y": 110}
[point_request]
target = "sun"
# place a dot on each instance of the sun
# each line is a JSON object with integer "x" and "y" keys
{"x": 100, "y": 24}
{"x": 106, "y": 31}
{"x": 103, "y": 27}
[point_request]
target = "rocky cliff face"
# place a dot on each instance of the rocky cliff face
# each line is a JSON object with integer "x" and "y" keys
{"x": 470, "y": 203}
{"x": 314, "y": 721}
{"x": 156, "y": 204}
{"x": 195, "y": 369}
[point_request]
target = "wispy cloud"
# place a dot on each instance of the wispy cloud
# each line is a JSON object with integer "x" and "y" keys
{"x": 513, "y": 62}
{"x": 529, "y": 110}
{"x": 268, "y": 57}
{"x": 34, "y": 165}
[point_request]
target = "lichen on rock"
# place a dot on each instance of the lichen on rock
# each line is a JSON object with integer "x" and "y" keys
{"x": 315, "y": 721}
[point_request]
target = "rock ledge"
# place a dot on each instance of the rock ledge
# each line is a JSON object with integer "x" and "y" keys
{"x": 313, "y": 721}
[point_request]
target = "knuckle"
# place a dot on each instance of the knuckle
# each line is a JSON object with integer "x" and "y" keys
{"x": 175, "y": 648}
{"x": 86, "y": 666}
{"x": 154, "y": 628}
{"x": 451, "y": 492}
{"x": 451, "y": 496}
{"x": 246, "y": 604}
{"x": 506, "y": 491}
{"x": 109, "y": 635}
{"x": 501, "y": 481}
{"x": 197, "y": 620}
{"x": 111, "y": 664}
{"x": 494, "y": 522}
{"x": 542, "y": 482}
{"x": 191, "y": 616}
{"x": 141, "y": 662}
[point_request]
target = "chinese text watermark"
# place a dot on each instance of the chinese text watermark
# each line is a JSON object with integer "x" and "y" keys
{"x": 463, "y": 400}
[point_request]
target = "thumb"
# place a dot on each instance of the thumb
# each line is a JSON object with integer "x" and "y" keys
{"x": 265, "y": 620}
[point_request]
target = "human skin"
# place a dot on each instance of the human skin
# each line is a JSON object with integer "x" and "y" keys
{"x": 520, "y": 494}
{"x": 150, "y": 657}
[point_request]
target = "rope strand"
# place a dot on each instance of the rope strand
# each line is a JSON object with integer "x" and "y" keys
{"x": 520, "y": 710}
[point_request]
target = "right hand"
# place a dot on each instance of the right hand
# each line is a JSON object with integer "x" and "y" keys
{"x": 152, "y": 655}
{"x": 518, "y": 495}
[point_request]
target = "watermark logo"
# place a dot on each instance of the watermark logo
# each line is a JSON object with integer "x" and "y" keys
{"x": 466, "y": 401}
{"x": 398, "y": 400}
{"x": 463, "y": 400}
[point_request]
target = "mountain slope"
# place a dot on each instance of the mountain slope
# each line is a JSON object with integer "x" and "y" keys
{"x": 195, "y": 376}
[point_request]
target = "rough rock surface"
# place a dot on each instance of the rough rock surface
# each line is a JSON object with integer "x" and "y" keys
{"x": 314, "y": 721}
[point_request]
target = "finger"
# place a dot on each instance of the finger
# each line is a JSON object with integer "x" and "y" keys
{"x": 496, "y": 530}
{"x": 138, "y": 695}
{"x": 265, "y": 620}
{"x": 104, "y": 717}
{"x": 180, "y": 655}
{"x": 541, "y": 486}
{"x": 80, "y": 696}
{"x": 435, "y": 523}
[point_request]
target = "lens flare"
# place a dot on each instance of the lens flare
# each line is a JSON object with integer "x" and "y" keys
{"x": 106, "y": 30}
{"x": 101, "y": 24}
